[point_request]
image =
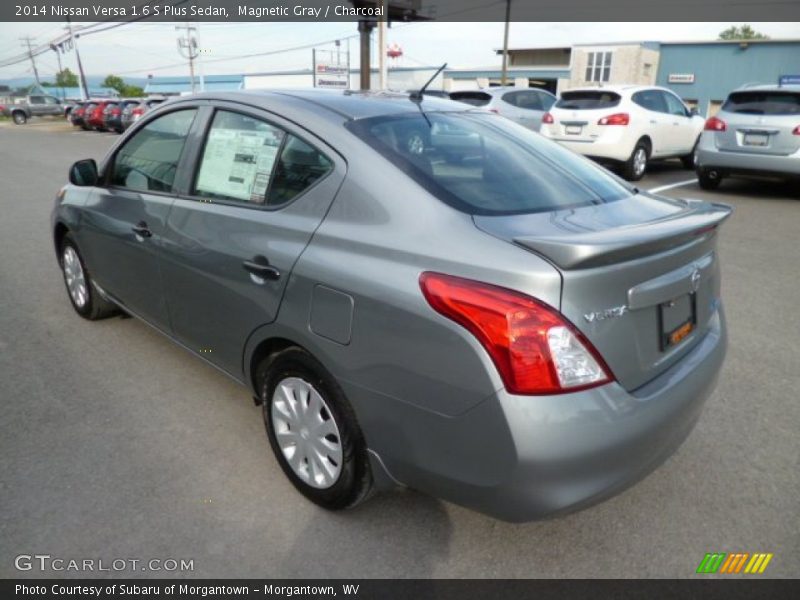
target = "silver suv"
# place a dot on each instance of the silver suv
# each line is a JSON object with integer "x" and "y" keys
{"x": 525, "y": 106}
{"x": 755, "y": 133}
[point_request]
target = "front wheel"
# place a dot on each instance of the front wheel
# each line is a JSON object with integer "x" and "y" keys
{"x": 690, "y": 160}
{"x": 313, "y": 431}
{"x": 85, "y": 298}
{"x": 635, "y": 167}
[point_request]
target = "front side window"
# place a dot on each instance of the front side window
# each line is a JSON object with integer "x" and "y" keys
{"x": 149, "y": 160}
{"x": 50, "y": 100}
{"x": 485, "y": 165}
{"x": 674, "y": 106}
{"x": 246, "y": 159}
{"x": 598, "y": 67}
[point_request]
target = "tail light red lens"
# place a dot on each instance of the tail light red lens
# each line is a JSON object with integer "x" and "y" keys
{"x": 795, "y": 131}
{"x": 715, "y": 124}
{"x": 137, "y": 111}
{"x": 116, "y": 111}
{"x": 534, "y": 348}
{"x": 547, "y": 118}
{"x": 617, "y": 119}
{"x": 494, "y": 110}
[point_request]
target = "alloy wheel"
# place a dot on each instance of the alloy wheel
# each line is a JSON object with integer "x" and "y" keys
{"x": 75, "y": 278}
{"x": 639, "y": 161}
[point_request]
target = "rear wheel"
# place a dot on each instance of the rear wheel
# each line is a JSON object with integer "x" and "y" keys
{"x": 19, "y": 117}
{"x": 313, "y": 431}
{"x": 85, "y": 298}
{"x": 709, "y": 179}
{"x": 636, "y": 166}
{"x": 690, "y": 160}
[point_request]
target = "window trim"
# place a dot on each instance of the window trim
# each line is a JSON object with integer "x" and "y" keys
{"x": 108, "y": 167}
{"x": 194, "y": 168}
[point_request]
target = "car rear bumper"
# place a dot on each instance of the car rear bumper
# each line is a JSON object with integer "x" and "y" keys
{"x": 746, "y": 163}
{"x": 614, "y": 150}
{"x": 521, "y": 458}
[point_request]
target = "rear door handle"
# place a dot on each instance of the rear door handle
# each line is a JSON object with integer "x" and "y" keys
{"x": 261, "y": 268}
{"x": 142, "y": 230}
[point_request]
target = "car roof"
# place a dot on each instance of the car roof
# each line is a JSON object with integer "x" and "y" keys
{"x": 616, "y": 88}
{"x": 769, "y": 87}
{"x": 349, "y": 104}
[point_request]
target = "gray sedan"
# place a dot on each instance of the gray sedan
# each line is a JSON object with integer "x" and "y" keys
{"x": 418, "y": 293}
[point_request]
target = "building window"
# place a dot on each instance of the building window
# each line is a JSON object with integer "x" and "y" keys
{"x": 598, "y": 67}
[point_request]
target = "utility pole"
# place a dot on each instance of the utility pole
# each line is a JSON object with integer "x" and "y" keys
{"x": 57, "y": 50}
{"x": 187, "y": 48}
{"x": 27, "y": 41}
{"x": 505, "y": 44}
{"x": 73, "y": 40}
{"x": 382, "y": 74}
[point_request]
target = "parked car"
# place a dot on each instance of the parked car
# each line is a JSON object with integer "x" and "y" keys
{"x": 27, "y": 107}
{"x": 509, "y": 327}
{"x": 96, "y": 118}
{"x": 88, "y": 111}
{"x": 133, "y": 112}
{"x": 756, "y": 133}
{"x": 625, "y": 126}
{"x": 525, "y": 106}
{"x": 112, "y": 116}
{"x": 75, "y": 114}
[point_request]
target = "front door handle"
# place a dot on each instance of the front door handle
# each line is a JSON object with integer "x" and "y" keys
{"x": 260, "y": 268}
{"x": 142, "y": 230}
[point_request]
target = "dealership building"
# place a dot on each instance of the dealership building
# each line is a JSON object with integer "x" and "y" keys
{"x": 700, "y": 72}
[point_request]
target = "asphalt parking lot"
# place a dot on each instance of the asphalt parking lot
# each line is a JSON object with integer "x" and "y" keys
{"x": 115, "y": 443}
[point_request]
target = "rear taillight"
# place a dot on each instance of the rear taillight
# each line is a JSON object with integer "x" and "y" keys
{"x": 115, "y": 111}
{"x": 715, "y": 124}
{"x": 547, "y": 118}
{"x": 137, "y": 111}
{"x": 494, "y": 110}
{"x": 795, "y": 131}
{"x": 535, "y": 349}
{"x": 617, "y": 119}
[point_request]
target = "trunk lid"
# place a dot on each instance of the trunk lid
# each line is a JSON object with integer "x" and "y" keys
{"x": 760, "y": 122}
{"x": 640, "y": 275}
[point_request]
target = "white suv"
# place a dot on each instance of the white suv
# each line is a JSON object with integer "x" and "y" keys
{"x": 624, "y": 125}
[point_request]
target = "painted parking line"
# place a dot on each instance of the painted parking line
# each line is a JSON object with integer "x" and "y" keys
{"x": 664, "y": 188}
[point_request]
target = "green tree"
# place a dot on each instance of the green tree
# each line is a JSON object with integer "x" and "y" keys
{"x": 132, "y": 91}
{"x": 745, "y": 32}
{"x": 66, "y": 78}
{"x": 115, "y": 82}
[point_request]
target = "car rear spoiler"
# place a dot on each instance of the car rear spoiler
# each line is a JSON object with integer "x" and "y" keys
{"x": 619, "y": 244}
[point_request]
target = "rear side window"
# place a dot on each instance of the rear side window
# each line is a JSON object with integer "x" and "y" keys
{"x": 149, "y": 160}
{"x": 472, "y": 98}
{"x": 588, "y": 100}
{"x": 524, "y": 100}
{"x": 246, "y": 159}
{"x": 484, "y": 165}
{"x": 763, "y": 103}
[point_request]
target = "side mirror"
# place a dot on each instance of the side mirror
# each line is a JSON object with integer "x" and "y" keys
{"x": 84, "y": 173}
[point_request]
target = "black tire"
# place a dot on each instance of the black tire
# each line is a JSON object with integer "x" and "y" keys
{"x": 19, "y": 117}
{"x": 95, "y": 306}
{"x": 709, "y": 179}
{"x": 354, "y": 482}
{"x": 689, "y": 161}
{"x": 632, "y": 170}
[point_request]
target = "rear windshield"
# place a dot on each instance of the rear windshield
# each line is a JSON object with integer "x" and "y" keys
{"x": 473, "y": 98}
{"x": 588, "y": 100}
{"x": 763, "y": 103}
{"x": 482, "y": 164}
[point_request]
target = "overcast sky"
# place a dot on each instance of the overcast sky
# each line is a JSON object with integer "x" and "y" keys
{"x": 141, "y": 48}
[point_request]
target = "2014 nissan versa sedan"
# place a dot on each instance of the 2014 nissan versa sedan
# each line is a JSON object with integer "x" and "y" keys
{"x": 419, "y": 293}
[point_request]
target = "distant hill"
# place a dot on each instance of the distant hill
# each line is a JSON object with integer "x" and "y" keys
{"x": 93, "y": 80}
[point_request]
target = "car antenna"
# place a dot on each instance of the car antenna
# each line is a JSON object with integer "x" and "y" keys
{"x": 418, "y": 96}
